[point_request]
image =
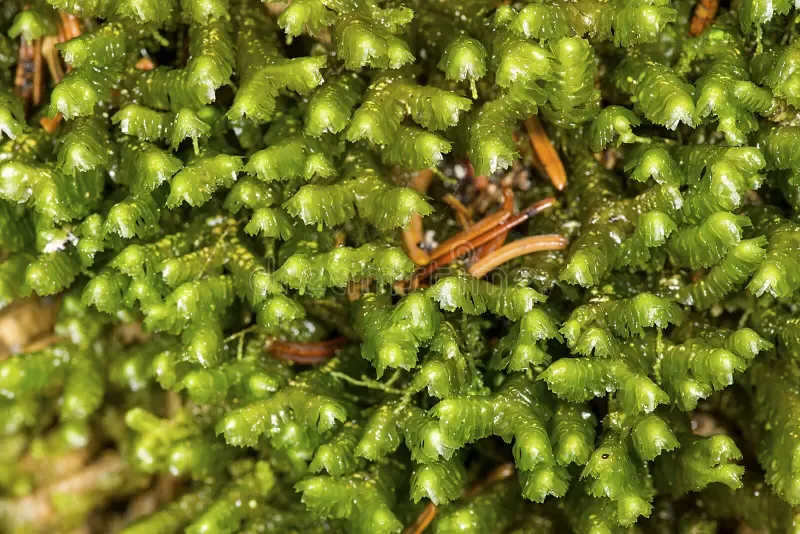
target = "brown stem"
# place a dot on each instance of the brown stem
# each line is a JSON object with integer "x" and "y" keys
{"x": 546, "y": 153}
{"x": 518, "y": 248}
{"x": 412, "y": 236}
{"x": 307, "y": 353}
{"x": 37, "y": 72}
{"x": 497, "y": 242}
{"x": 414, "y": 233}
{"x": 498, "y": 474}
{"x": 463, "y": 213}
{"x": 50, "y": 55}
{"x": 704, "y": 14}
{"x": 71, "y": 24}
{"x": 421, "y": 181}
{"x": 23, "y": 86}
{"x": 481, "y": 239}
{"x": 422, "y": 521}
{"x": 464, "y": 238}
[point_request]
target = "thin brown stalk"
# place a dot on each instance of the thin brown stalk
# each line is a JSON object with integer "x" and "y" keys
{"x": 43, "y": 342}
{"x": 307, "y": 353}
{"x": 466, "y": 237}
{"x": 71, "y": 24}
{"x": 463, "y": 214}
{"x": 422, "y": 521}
{"x": 414, "y": 233}
{"x": 421, "y": 181}
{"x": 38, "y": 72}
{"x": 50, "y": 55}
{"x": 704, "y": 14}
{"x": 520, "y": 247}
{"x": 498, "y": 474}
{"x": 482, "y": 239}
{"x": 497, "y": 242}
{"x": 546, "y": 153}
{"x": 23, "y": 81}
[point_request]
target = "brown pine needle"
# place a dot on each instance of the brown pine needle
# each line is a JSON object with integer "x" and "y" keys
{"x": 307, "y": 353}
{"x": 546, "y": 153}
{"x": 421, "y": 181}
{"x": 423, "y": 520}
{"x": 50, "y": 55}
{"x": 704, "y": 14}
{"x": 23, "y": 83}
{"x": 38, "y": 80}
{"x": 466, "y": 237}
{"x": 520, "y": 247}
{"x": 71, "y": 24}
{"x": 498, "y": 474}
{"x": 497, "y": 242}
{"x": 428, "y": 513}
{"x": 481, "y": 239}
{"x": 463, "y": 214}
{"x": 414, "y": 233}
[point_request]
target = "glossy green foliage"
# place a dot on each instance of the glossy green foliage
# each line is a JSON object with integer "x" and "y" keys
{"x": 295, "y": 416}
{"x": 263, "y": 70}
{"x": 694, "y": 369}
{"x": 706, "y": 244}
{"x": 756, "y": 13}
{"x": 236, "y": 208}
{"x": 330, "y": 107}
{"x": 659, "y": 94}
{"x": 315, "y": 273}
{"x": 597, "y": 331}
{"x": 572, "y": 98}
{"x": 11, "y": 115}
{"x": 209, "y": 67}
{"x": 201, "y": 177}
{"x": 393, "y": 335}
{"x": 592, "y": 254}
{"x": 630, "y": 22}
{"x": 98, "y": 58}
{"x": 775, "y": 274}
{"x": 250, "y": 484}
{"x": 725, "y": 92}
{"x": 700, "y": 462}
{"x": 491, "y": 141}
{"x": 364, "y": 499}
{"x": 772, "y": 408}
{"x": 614, "y": 124}
{"x": 777, "y": 70}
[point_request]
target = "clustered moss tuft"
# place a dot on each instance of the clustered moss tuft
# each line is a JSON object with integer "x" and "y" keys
{"x": 379, "y": 266}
